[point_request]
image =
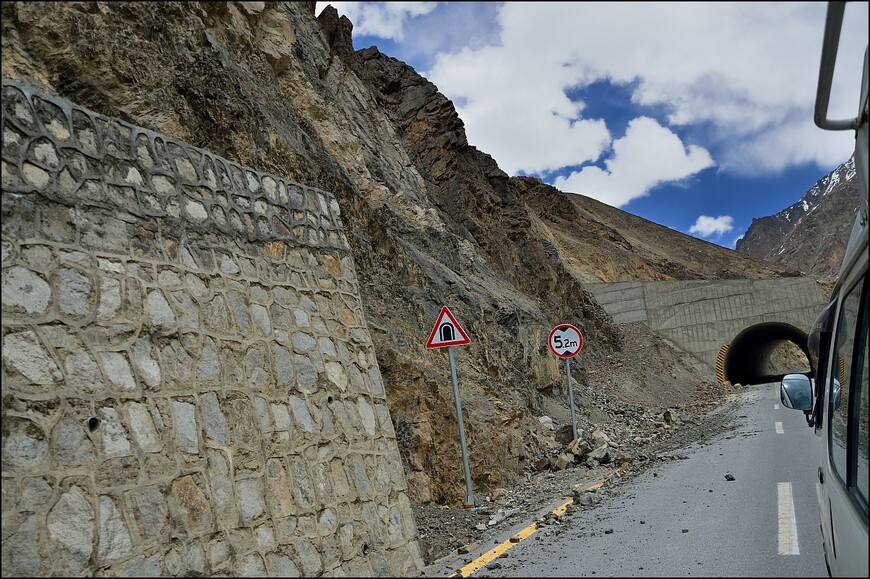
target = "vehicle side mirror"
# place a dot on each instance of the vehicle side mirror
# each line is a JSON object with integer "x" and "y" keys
{"x": 836, "y": 394}
{"x": 795, "y": 391}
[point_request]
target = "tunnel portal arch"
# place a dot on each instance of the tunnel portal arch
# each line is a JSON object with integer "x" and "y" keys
{"x": 748, "y": 356}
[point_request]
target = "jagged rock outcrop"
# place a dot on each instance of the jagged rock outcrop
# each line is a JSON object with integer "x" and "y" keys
{"x": 430, "y": 219}
{"x": 812, "y": 234}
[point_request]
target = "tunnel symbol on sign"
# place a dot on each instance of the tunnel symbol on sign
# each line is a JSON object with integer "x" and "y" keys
{"x": 447, "y": 331}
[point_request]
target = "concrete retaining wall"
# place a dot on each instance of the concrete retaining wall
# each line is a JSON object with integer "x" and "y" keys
{"x": 189, "y": 386}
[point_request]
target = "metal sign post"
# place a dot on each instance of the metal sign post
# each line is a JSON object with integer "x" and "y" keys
{"x": 565, "y": 341}
{"x": 571, "y": 399}
{"x": 469, "y": 492}
{"x": 446, "y": 333}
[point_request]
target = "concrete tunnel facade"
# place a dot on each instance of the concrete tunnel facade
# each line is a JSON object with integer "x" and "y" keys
{"x": 748, "y": 356}
{"x": 747, "y": 319}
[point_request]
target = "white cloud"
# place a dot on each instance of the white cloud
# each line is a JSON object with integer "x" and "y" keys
{"x": 742, "y": 76}
{"x": 646, "y": 156}
{"x": 706, "y": 226}
{"x": 381, "y": 19}
{"x": 530, "y": 127}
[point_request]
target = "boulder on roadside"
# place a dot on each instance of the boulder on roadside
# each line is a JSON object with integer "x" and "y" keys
{"x": 541, "y": 464}
{"x": 600, "y": 455}
{"x": 565, "y": 434}
{"x": 547, "y": 422}
{"x": 579, "y": 447}
{"x": 599, "y": 437}
{"x": 562, "y": 461}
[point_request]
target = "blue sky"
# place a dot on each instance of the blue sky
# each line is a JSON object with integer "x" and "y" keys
{"x": 695, "y": 115}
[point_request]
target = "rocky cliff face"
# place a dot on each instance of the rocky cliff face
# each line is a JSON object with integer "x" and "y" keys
{"x": 431, "y": 220}
{"x": 810, "y": 235}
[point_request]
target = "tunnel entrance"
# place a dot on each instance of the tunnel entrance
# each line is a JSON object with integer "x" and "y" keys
{"x": 750, "y": 354}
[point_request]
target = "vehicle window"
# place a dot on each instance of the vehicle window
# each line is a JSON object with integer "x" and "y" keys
{"x": 848, "y": 394}
{"x": 861, "y": 391}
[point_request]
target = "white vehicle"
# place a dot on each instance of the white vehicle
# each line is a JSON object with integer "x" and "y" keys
{"x": 836, "y": 400}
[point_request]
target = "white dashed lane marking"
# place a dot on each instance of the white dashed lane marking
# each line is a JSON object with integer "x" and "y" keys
{"x": 787, "y": 540}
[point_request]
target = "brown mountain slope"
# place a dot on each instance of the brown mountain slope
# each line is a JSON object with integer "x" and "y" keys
{"x": 602, "y": 244}
{"x": 431, "y": 220}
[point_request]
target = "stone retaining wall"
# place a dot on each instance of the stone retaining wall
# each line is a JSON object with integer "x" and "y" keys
{"x": 188, "y": 383}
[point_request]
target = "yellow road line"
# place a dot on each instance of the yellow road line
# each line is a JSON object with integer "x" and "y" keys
{"x": 505, "y": 546}
{"x": 496, "y": 552}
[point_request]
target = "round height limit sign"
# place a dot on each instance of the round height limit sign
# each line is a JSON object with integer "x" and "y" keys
{"x": 565, "y": 341}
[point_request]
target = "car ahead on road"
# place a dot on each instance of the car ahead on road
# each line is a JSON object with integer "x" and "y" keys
{"x": 834, "y": 396}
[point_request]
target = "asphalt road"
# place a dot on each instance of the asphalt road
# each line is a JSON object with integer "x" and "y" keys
{"x": 685, "y": 518}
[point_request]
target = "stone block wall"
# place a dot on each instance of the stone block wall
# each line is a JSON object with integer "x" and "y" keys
{"x": 188, "y": 383}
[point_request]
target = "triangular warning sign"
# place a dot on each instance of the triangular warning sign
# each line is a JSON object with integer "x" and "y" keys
{"x": 447, "y": 331}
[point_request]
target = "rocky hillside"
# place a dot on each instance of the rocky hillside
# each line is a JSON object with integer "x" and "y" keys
{"x": 432, "y": 220}
{"x": 810, "y": 235}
